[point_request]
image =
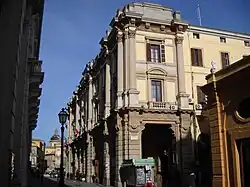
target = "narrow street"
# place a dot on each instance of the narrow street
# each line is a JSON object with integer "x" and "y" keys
{"x": 53, "y": 182}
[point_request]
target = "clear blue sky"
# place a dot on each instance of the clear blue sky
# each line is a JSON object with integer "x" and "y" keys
{"x": 72, "y": 30}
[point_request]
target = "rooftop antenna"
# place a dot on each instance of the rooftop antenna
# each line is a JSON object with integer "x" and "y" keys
{"x": 199, "y": 13}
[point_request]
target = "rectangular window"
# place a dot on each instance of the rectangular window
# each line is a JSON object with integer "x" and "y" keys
{"x": 156, "y": 90}
{"x": 247, "y": 43}
{"x": 196, "y": 36}
{"x": 223, "y": 40}
{"x": 196, "y": 57}
{"x": 155, "y": 53}
{"x": 201, "y": 97}
{"x": 224, "y": 60}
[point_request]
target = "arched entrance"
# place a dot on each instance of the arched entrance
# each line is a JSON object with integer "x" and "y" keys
{"x": 158, "y": 141}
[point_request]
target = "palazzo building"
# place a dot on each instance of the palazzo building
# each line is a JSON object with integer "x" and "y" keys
{"x": 140, "y": 97}
{"x": 21, "y": 76}
{"x": 228, "y": 110}
{"x": 37, "y": 155}
{"x": 53, "y": 153}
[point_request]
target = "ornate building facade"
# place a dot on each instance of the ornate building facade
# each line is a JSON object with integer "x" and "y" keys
{"x": 53, "y": 152}
{"x": 140, "y": 97}
{"x": 21, "y": 75}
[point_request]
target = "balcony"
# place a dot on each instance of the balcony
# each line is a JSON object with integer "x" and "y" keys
{"x": 36, "y": 74}
{"x": 152, "y": 104}
{"x": 161, "y": 105}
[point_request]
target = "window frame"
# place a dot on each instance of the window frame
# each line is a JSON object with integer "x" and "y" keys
{"x": 198, "y": 64}
{"x": 247, "y": 43}
{"x": 223, "y": 40}
{"x": 196, "y": 35}
{"x": 162, "y": 50}
{"x": 161, "y": 90}
{"x": 224, "y": 52}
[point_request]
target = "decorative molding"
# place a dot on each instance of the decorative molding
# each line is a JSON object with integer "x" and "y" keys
{"x": 119, "y": 36}
{"x": 131, "y": 33}
{"x": 179, "y": 39}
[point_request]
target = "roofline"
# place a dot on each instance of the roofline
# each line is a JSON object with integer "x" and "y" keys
{"x": 222, "y": 32}
{"x": 36, "y": 139}
{"x": 231, "y": 69}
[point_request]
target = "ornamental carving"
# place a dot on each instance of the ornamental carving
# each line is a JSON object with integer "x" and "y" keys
{"x": 179, "y": 39}
{"x": 136, "y": 126}
{"x": 131, "y": 33}
{"x": 119, "y": 36}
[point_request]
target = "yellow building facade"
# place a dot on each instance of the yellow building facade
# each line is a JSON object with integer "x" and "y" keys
{"x": 140, "y": 97}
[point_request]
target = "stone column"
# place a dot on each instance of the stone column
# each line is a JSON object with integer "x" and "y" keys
{"x": 125, "y": 137}
{"x": 89, "y": 160}
{"x": 78, "y": 158}
{"x": 106, "y": 156}
{"x": 90, "y": 104}
{"x": 119, "y": 68}
{"x": 74, "y": 160}
{"x": 107, "y": 89}
{"x": 119, "y": 151}
{"x": 126, "y": 66}
{"x": 133, "y": 92}
{"x": 182, "y": 96}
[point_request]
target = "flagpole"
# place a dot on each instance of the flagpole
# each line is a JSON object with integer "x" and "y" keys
{"x": 199, "y": 13}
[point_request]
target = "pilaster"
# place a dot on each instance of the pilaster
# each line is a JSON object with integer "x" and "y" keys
{"x": 90, "y": 104}
{"x": 133, "y": 93}
{"x": 126, "y": 66}
{"x": 119, "y": 153}
{"x": 119, "y": 68}
{"x": 89, "y": 160}
{"x": 125, "y": 137}
{"x": 182, "y": 96}
{"x": 107, "y": 88}
{"x": 106, "y": 156}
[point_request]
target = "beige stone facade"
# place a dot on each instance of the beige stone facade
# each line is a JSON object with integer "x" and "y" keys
{"x": 21, "y": 75}
{"x": 138, "y": 97}
{"x": 229, "y": 114}
{"x": 53, "y": 153}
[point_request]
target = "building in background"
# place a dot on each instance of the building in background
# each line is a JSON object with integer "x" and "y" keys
{"x": 53, "y": 153}
{"x": 37, "y": 155}
{"x": 21, "y": 75}
{"x": 140, "y": 97}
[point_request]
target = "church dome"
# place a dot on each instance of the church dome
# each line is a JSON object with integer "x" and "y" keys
{"x": 55, "y": 136}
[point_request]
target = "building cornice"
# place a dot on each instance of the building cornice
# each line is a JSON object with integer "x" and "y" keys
{"x": 219, "y": 32}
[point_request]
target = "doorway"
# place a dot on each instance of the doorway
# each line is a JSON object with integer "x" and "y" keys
{"x": 243, "y": 146}
{"x": 158, "y": 141}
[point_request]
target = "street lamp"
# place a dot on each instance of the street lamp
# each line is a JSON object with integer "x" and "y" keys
{"x": 63, "y": 115}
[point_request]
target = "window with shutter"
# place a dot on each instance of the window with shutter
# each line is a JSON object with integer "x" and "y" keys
{"x": 163, "y": 58}
{"x": 224, "y": 60}
{"x": 196, "y": 57}
{"x": 155, "y": 52}
{"x": 201, "y": 97}
{"x": 148, "y": 52}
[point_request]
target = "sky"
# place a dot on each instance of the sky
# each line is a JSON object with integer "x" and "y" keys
{"x": 72, "y": 30}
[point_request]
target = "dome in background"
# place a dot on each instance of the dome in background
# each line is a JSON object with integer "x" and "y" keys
{"x": 55, "y": 136}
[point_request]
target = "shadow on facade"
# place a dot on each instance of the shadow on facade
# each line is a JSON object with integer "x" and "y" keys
{"x": 175, "y": 158}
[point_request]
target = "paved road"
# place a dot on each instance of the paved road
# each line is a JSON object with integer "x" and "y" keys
{"x": 52, "y": 182}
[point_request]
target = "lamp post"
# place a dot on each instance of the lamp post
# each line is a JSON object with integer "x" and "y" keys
{"x": 63, "y": 115}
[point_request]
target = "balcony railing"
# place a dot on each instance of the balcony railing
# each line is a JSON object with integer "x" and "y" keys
{"x": 36, "y": 65}
{"x": 158, "y": 105}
